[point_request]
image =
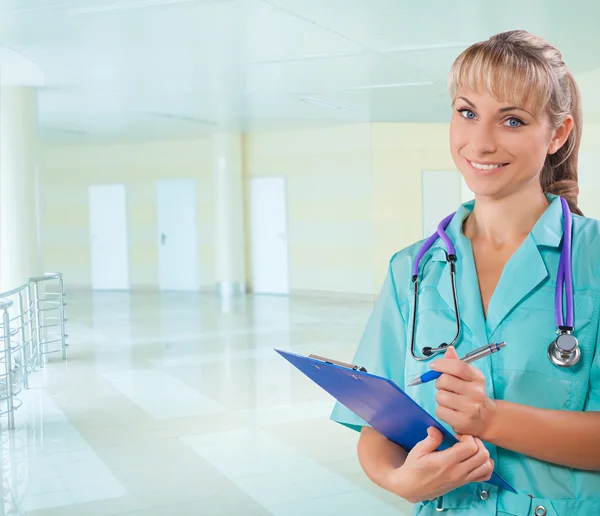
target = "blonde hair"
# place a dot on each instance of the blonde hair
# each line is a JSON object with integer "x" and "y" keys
{"x": 521, "y": 68}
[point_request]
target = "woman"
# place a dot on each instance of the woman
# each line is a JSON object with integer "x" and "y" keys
{"x": 514, "y": 136}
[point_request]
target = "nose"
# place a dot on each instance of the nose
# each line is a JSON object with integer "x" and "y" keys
{"x": 483, "y": 140}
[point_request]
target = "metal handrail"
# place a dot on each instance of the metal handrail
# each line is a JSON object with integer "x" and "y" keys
{"x": 25, "y": 331}
{"x": 45, "y": 277}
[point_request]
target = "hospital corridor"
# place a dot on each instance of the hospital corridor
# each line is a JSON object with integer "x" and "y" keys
{"x": 187, "y": 186}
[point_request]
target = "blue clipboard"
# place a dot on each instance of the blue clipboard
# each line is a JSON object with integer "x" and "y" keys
{"x": 378, "y": 401}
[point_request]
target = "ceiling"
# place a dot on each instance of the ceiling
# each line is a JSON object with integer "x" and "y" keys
{"x": 145, "y": 69}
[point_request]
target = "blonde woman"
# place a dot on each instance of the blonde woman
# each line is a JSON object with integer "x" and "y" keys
{"x": 530, "y": 411}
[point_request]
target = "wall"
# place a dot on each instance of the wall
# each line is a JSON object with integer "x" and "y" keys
{"x": 66, "y": 172}
{"x": 329, "y": 190}
{"x": 400, "y": 153}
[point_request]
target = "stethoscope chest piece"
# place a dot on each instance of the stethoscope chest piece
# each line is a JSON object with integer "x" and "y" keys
{"x": 564, "y": 351}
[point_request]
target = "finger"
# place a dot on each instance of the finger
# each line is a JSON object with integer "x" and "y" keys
{"x": 452, "y": 383}
{"x": 450, "y": 416}
{"x": 453, "y": 401}
{"x": 451, "y": 353}
{"x": 482, "y": 473}
{"x": 429, "y": 444}
{"x": 459, "y": 452}
{"x": 476, "y": 461}
{"x": 457, "y": 368}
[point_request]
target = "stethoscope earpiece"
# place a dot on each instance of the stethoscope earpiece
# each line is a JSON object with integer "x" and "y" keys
{"x": 428, "y": 351}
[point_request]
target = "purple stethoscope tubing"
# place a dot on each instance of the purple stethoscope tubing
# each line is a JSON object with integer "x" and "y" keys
{"x": 565, "y": 273}
{"x": 564, "y": 281}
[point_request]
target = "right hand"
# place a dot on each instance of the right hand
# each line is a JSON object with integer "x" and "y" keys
{"x": 428, "y": 473}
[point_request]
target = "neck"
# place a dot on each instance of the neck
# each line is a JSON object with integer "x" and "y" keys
{"x": 505, "y": 220}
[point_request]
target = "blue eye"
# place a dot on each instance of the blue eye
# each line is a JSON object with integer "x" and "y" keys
{"x": 467, "y": 113}
{"x": 514, "y": 122}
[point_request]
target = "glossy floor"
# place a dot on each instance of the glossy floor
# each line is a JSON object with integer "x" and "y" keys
{"x": 177, "y": 405}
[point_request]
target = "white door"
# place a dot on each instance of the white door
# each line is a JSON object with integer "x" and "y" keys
{"x": 108, "y": 237}
{"x": 177, "y": 234}
{"x": 268, "y": 222}
{"x": 441, "y": 197}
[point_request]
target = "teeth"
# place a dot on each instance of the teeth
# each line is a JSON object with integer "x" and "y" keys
{"x": 485, "y": 167}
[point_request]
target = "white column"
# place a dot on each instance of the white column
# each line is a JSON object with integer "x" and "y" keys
{"x": 19, "y": 245}
{"x": 229, "y": 214}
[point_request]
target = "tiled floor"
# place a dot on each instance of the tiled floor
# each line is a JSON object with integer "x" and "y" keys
{"x": 177, "y": 405}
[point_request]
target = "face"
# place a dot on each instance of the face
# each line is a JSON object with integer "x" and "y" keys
{"x": 500, "y": 148}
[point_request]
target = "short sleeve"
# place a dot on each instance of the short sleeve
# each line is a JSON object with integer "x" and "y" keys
{"x": 593, "y": 398}
{"x": 590, "y": 253}
{"x": 382, "y": 347}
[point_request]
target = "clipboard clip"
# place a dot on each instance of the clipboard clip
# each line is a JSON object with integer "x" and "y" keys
{"x": 338, "y": 363}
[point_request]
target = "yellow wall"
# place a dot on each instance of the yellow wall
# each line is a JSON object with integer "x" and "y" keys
{"x": 354, "y": 198}
{"x": 329, "y": 203}
{"x": 328, "y": 181}
{"x": 400, "y": 153}
{"x": 66, "y": 172}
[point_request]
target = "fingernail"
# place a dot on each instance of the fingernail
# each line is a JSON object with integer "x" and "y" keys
{"x": 433, "y": 365}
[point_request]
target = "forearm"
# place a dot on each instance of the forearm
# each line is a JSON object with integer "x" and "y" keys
{"x": 379, "y": 457}
{"x": 561, "y": 437}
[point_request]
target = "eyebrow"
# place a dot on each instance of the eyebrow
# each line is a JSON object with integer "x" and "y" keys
{"x": 501, "y": 110}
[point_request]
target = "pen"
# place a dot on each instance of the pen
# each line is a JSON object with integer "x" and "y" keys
{"x": 476, "y": 354}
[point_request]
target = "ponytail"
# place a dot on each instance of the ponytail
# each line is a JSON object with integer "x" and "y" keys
{"x": 559, "y": 175}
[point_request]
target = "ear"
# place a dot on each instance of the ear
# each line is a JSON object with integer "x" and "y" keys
{"x": 560, "y": 135}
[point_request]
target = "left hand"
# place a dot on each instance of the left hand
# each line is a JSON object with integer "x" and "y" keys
{"x": 462, "y": 399}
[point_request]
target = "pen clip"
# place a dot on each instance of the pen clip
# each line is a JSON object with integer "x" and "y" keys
{"x": 338, "y": 363}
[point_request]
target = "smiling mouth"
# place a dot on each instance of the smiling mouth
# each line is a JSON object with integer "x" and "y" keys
{"x": 487, "y": 166}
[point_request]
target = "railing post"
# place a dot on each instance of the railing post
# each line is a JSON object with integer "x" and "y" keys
{"x": 33, "y": 327}
{"x": 24, "y": 344}
{"x": 38, "y": 325}
{"x": 5, "y": 304}
{"x": 63, "y": 329}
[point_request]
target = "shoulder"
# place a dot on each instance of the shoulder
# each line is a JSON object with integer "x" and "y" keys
{"x": 586, "y": 229}
{"x": 400, "y": 270}
{"x": 586, "y": 235}
{"x": 402, "y": 261}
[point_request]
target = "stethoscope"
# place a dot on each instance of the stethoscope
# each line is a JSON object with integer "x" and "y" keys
{"x": 564, "y": 350}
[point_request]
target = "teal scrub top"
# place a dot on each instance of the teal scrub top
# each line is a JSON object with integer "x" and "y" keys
{"x": 520, "y": 312}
